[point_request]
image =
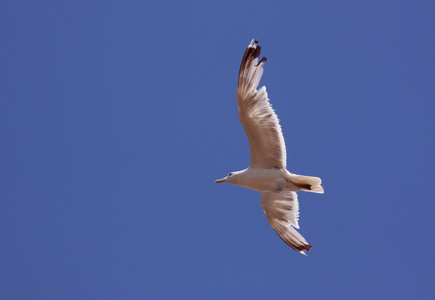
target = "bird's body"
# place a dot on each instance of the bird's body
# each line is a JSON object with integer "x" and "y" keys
{"x": 263, "y": 180}
{"x": 267, "y": 171}
{"x": 271, "y": 180}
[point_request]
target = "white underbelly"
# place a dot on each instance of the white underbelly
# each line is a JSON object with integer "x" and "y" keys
{"x": 265, "y": 180}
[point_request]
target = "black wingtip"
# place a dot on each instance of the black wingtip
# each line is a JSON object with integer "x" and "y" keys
{"x": 257, "y": 51}
{"x": 251, "y": 53}
{"x": 261, "y": 61}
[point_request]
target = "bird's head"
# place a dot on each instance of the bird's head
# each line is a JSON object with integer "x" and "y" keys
{"x": 231, "y": 178}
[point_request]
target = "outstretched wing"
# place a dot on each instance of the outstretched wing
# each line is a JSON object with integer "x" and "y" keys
{"x": 256, "y": 114}
{"x": 282, "y": 212}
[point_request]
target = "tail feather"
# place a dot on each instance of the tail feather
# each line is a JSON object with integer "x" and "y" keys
{"x": 308, "y": 183}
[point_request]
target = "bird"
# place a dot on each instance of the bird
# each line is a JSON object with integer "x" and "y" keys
{"x": 267, "y": 171}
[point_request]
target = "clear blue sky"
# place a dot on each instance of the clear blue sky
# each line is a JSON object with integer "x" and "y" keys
{"x": 116, "y": 117}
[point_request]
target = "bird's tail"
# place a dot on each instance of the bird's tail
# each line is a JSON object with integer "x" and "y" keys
{"x": 308, "y": 183}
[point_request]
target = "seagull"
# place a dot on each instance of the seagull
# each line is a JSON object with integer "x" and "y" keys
{"x": 267, "y": 172}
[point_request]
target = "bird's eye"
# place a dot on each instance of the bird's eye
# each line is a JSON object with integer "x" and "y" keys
{"x": 230, "y": 174}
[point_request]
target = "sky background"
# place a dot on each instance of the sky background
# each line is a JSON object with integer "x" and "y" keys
{"x": 116, "y": 117}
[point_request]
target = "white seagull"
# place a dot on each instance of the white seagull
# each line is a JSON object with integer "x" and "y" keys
{"x": 267, "y": 171}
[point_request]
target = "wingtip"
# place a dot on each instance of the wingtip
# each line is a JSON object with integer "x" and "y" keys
{"x": 253, "y": 43}
{"x": 256, "y": 52}
{"x": 307, "y": 248}
{"x": 302, "y": 247}
{"x": 264, "y": 59}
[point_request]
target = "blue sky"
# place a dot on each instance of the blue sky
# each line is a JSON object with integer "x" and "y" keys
{"x": 117, "y": 117}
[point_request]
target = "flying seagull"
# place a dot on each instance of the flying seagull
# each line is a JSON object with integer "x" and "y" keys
{"x": 267, "y": 171}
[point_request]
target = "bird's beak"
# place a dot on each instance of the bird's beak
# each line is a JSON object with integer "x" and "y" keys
{"x": 220, "y": 180}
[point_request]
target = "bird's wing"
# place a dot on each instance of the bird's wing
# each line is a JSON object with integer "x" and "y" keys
{"x": 282, "y": 212}
{"x": 256, "y": 114}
